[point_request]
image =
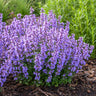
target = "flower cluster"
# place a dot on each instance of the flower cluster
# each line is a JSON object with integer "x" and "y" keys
{"x": 46, "y": 39}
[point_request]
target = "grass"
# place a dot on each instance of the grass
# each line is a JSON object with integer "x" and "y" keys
{"x": 3, "y": 9}
{"x": 19, "y": 6}
{"x": 82, "y": 17}
{"x": 36, "y": 5}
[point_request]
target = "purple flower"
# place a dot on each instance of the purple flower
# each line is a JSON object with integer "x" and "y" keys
{"x": 45, "y": 71}
{"x": 31, "y": 10}
{"x": 19, "y": 16}
{"x": 43, "y": 40}
{"x": 64, "y": 75}
{"x": 37, "y": 76}
{"x": 49, "y": 78}
{"x": 70, "y": 74}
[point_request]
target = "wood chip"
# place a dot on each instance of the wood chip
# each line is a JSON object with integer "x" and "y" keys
{"x": 86, "y": 65}
{"x": 88, "y": 91}
{"x": 90, "y": 76}
{"x": 86, "y": 72}
{"x": 91, "y": 72}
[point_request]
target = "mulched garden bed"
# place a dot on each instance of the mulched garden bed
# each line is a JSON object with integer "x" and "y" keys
{"x": 83, "y": 84}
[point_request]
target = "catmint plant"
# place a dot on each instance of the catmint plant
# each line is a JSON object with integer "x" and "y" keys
{"x": 39, "y": 50}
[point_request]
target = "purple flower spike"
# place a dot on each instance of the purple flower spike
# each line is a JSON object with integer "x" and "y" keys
{"x": 40, "y": 46}
{"x": 31, "y": 10}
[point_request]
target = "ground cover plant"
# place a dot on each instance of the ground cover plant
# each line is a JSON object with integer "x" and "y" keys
{"x": 39, "y": 51}
{"x": 81, "y": 14}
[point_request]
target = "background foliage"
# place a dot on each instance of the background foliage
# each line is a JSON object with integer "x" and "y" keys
{"x": 81, "y": 15}
{"x": 10, "y": 8}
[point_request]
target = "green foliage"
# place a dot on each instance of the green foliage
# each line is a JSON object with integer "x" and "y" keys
{"x": 19, "y": 6}
{"x": 0, "y": 89}
{"x": 36, "y": 5}
{"x": 56, "y": 80}
{"x": 3, "y": 9}
{"x": 10, "y": 8}
{"x": 82, "y": 17}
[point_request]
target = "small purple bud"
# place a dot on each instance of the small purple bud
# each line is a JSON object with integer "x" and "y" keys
{"x": 31, "y": 10}
{"x": 19, "y": 16}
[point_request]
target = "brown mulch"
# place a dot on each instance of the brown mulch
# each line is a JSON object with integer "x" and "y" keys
{"x": 83, "y": 84}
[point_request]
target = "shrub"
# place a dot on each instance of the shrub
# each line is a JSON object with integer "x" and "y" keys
{"x": 38, "y": 50}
